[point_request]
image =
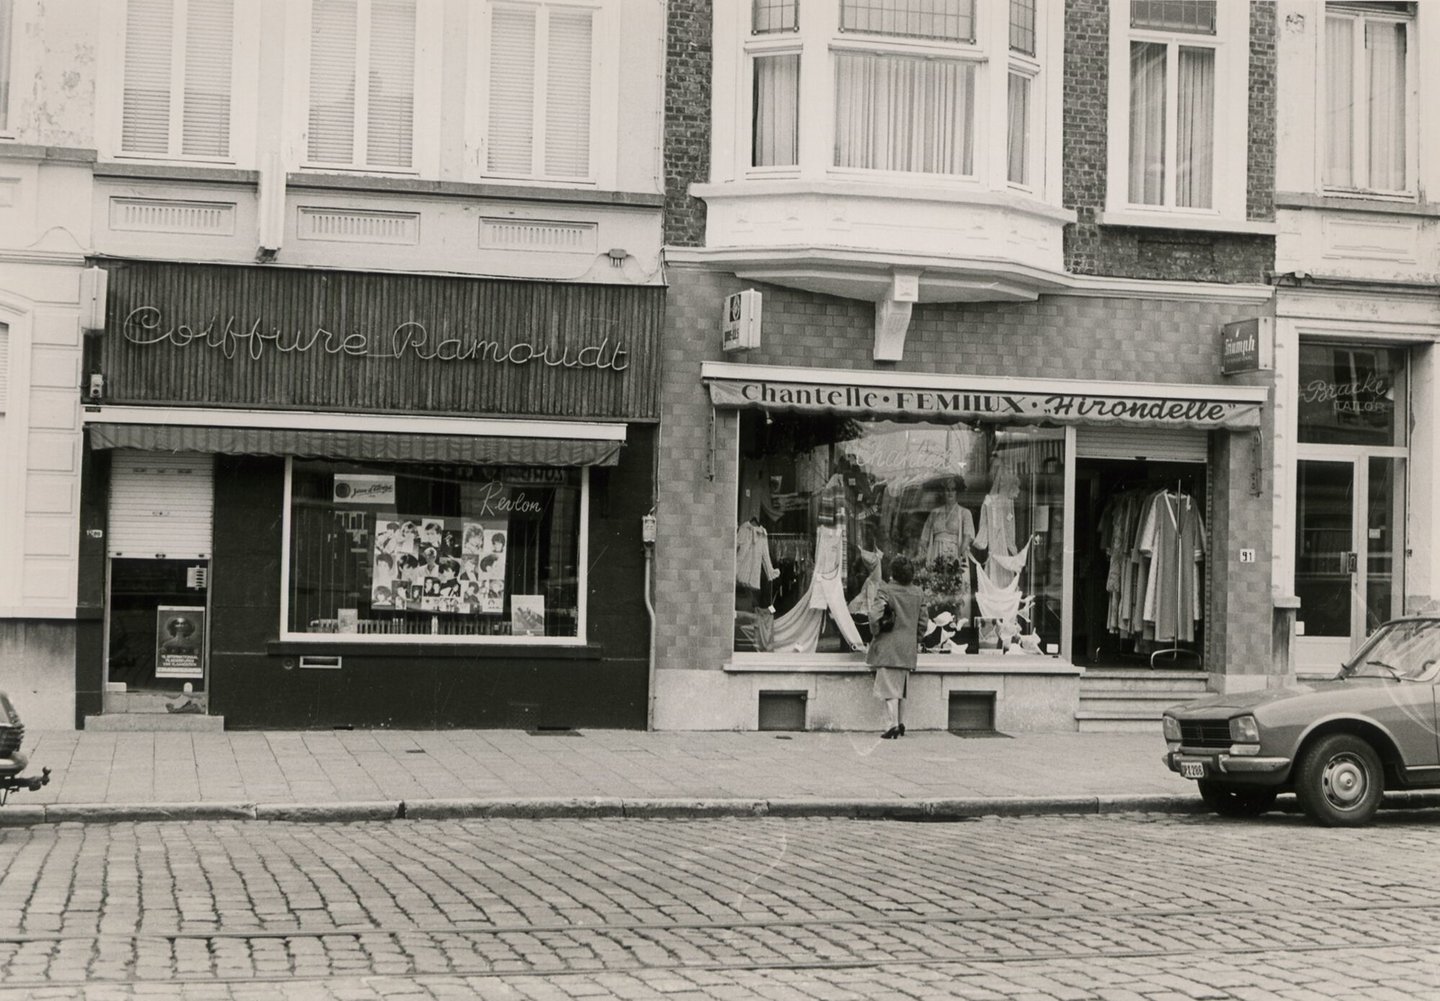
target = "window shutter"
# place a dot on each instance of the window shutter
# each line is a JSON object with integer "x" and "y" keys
{"x": 209, "y": 37}
{"x": 391, "y": 117}
{"x": 512, "y": 90}
{"x": 567, "y": 105}
{"x": 145, "y": 112}
{"x": 332, "y": 81}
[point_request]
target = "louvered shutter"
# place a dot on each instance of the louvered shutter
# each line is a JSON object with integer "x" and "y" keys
{"x": 161, "y": 505}
{"x": 1155, "y": 444}
{"x": 145, "y": 112}
{"x": 4, "y": 368}
{"x": 209, "y": 39}
{"x": 332, "y": 81}
{"x": 567, "y": 104}
{"x": 391, "y": 119}
{"x": 512, "y": 90}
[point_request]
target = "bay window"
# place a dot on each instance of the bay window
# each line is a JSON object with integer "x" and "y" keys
{"x": 776, "y": 116}
{"x": 461, "y": 553}
{"x": 826, "y": 504}
{"x": 177, "y": 80}
{"x": 904, "y": 113}
{"x": 1366, "y": 112}
{"x": 1024, "y": 68}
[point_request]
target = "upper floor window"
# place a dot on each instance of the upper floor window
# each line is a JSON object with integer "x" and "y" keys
{"x": 362, "y": 83}
{"x": 1178, "y": 108}
{"x": 1366, "y": 113}
{"x": 541, "y": 82}
{"x": 7, "y": 16}
{"x": 178, "y": 78}
{"x": 1019, "y": 138}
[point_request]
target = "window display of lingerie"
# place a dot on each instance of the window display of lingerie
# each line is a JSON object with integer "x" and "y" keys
{"x": 1173, "y": 535}
{"x": 996, "y": 529}
{"x": 948, "y": 531}
{"x": 752, "y": 555}
{"x": 865, "y": 599}
{"x": 1002, "y": 601}
{"x": 799, "y": 628}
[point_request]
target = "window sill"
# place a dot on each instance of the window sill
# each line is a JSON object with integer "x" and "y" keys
{"x": 1379, "y": 204}
{"x": 176, "y": 172}
{"x": 514, "y": 192}
{"x": 1158, "y": 220}
{"x": 12, "y": 150}
{"x": 358, "y": 647}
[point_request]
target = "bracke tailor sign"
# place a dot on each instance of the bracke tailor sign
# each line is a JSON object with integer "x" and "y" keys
{"x": 1019, "y": 407}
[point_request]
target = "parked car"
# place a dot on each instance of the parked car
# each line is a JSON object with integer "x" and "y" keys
{"x": 12, "y": 762}
{"x": 1338, "y": 744}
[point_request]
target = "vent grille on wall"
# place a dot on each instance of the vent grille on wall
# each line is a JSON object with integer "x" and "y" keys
{"x": 538, "y": 234}
{"x": 153, "y": 215}
{"x": 352, "y": 226}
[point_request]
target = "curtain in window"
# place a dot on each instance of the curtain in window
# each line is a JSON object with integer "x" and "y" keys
{"x": 567, "y": 104}
{"x": 512, "y": 91}
{"x": 1339, "y": 102}
{"x": 1147, "y": 123}
{"x": 390, "y": 118}
{"x": 903, "y": 113}
{"x": 1385, "y": 47}
{"x": 333, "y": 38}
{"x": 776, "y": 140}
{"x": 1018, "y": 131}
{"x": 1195, "y": 121}
{"x": 145, "y": 111}
{"x": 209, "y": 37}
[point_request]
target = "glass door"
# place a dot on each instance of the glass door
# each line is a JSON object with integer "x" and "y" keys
{"x": 1348, "y": 553}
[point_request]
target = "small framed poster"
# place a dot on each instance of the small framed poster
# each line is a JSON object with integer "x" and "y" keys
{"x": 179, "y": 641}
{"x": 527, "y": 615}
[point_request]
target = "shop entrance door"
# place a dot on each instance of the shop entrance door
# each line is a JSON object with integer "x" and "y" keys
{"x": 1349, "y": 513}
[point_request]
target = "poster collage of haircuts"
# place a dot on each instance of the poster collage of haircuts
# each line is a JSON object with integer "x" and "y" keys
{"x": 446, "y": 565}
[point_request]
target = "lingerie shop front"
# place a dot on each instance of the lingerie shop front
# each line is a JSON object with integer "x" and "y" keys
{"x": 1057, "y": 526}
{"x": 332, "y": 499}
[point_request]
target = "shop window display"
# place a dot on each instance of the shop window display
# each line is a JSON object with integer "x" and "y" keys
{"x": 826, "y": 504}
{"x": 454, "y": 551}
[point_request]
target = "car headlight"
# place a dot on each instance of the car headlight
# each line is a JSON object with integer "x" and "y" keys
{"x": 1171, "y": 726}
{"x": 1244, "y": 730}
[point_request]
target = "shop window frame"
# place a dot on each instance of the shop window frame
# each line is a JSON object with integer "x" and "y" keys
{"x": 580, "y": 639}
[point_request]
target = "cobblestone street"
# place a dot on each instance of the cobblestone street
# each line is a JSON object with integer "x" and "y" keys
{"x": 1074, "y": 908}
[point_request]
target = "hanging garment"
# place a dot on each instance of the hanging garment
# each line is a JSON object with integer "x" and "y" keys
{"x": 752, "y": 555}
{"x": 996, "y": 533}
{"x": 871, "y": 558}
{"x": 1174, "y": 535}
{"x": 799, "y": 629}
{"x": 949, "y": 531}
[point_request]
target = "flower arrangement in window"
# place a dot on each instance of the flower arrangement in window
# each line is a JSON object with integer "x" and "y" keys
{"x": 943, "y": 582}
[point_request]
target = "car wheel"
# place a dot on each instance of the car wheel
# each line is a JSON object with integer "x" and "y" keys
{"x": 1339, "y": 781}
{"x": 1236, "y": 801}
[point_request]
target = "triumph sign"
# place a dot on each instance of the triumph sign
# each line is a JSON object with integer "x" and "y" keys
{"x": 918, "y": 403}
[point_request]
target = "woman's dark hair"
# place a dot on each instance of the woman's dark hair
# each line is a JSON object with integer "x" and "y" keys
{"x": 902, "y": 571}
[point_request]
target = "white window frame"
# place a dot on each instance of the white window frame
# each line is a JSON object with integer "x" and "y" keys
{"x": 425, "y": 134}
{"x": 606, "y": 50}
{"x": 358, "y": 639}
{"x": 1030, "y": 66}
{"x": 1231, "y": 43}
{"x": 244, "y": 80}
{"x": 1360, "y": 166}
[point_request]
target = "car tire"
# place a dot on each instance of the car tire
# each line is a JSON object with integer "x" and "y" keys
{"x": 1340, "y": 780}
{"x": 1230, "y": 800}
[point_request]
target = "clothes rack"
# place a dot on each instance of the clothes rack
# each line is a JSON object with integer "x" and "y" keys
{"x": 1182, "y": 500}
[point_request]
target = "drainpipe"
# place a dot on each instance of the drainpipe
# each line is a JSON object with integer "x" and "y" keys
{"x": 647, "y": 538}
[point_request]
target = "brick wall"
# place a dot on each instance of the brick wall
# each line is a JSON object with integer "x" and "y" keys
{"x": 1066, "y": 337}
{"x": 687, "y": 119}
{"x": 1130, "y": 252}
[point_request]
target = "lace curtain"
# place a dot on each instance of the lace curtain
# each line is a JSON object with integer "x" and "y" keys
{"x": 904, "y": 113}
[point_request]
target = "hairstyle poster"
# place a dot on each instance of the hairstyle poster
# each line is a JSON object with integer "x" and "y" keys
{"x": 430, "y": 564}
{"x": 179, "y": 642}
{"x": 527, "y": 615}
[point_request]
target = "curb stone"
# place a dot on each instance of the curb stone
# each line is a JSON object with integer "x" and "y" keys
{"x": 329, "y": 813}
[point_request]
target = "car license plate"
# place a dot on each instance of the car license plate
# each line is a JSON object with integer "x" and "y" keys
{"x": 1192, "y": 769}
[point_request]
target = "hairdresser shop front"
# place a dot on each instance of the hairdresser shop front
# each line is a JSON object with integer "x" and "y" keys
{"x": 1058, "y": 526}
{"x": 362, "y": 499}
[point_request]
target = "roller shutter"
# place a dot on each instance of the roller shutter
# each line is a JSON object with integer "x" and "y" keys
{"x": 1156, "y": 444}
{"x": 161, "y": 505}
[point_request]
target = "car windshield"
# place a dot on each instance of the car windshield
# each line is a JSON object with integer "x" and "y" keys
{"x": 1407, "y": 650}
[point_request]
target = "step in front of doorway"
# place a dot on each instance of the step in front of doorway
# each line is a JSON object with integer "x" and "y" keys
{"x": 156, "y": 723}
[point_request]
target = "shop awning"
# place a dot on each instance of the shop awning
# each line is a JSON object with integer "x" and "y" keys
{"x": 943, "y": 398}
{"x": 481, "y": 442}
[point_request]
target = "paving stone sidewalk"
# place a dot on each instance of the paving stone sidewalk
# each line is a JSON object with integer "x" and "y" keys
{"x": 366, "y": 774}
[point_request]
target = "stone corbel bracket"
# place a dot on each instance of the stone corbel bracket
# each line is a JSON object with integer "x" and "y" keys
{"x": 892, "y": 315}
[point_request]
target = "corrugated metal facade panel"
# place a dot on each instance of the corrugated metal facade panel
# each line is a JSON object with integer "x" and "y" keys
{"x": 225, "y": 335}
{"x": 1142, "y": 443}
{"x": 161, "y": 504}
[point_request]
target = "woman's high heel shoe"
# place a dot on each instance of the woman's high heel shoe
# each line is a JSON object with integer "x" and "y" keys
{"x": 892, "y": 733}
{"x": 900, "y": 730}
